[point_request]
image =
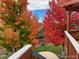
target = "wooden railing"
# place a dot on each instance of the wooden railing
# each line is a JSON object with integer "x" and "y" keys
{"x": 66, "y": 2}
{"x": 24, "y": 53}
{"x": 72, "y": 47}
{"x": 62, "y": 1}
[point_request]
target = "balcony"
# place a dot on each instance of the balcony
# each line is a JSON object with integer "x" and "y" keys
{"x": 71, "y": 5}
{"x": 72, "y": 45}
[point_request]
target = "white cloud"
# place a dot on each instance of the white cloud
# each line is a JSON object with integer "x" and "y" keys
{"x": 38, "y": 4}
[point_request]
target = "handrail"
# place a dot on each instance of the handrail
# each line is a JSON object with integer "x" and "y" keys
{"x": 74, "y": 30}
{"x": 20, "y": 52}
{"x": 67, "y": 2}
{"x": 73, "y": 41}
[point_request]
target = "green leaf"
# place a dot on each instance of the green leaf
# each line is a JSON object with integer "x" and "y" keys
{"x": 1, "y": 38}
{"x": 1, "y": 29}
{"x": 8, "y": 47}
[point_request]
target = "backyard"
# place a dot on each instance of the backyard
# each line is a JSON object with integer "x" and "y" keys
{"x": 54, "y": 32}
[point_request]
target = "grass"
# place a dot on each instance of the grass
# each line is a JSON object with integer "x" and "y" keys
{"x": 52, "y": 48}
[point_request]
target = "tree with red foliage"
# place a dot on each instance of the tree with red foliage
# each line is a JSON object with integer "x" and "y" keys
{"x": 54, "y": 24}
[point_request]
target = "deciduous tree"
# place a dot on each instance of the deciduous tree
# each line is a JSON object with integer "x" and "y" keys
{"x": 21, "y": 27}
{"x": 54, "y": 24}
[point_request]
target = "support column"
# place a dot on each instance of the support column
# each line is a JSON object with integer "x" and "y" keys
{"x": 66, "y": 43}
{"x": 68, "y": 20}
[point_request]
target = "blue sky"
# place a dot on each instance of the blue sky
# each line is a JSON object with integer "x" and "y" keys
{"x": 40, "y": 14}
{"x": 38, "y": 7}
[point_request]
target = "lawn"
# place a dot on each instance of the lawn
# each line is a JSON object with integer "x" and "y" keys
{"x": 49, "y": 47}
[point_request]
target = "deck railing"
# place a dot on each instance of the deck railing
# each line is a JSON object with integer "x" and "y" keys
{"x": 72, "y": 47}
{"x": 26, "y": 53}
{"x": 62, "y": 1}
{"x": 66, "y": 2}
{"x": 23, "y": 53}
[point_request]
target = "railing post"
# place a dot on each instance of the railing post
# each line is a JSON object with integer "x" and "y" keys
{"x": 68, "y": 20}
